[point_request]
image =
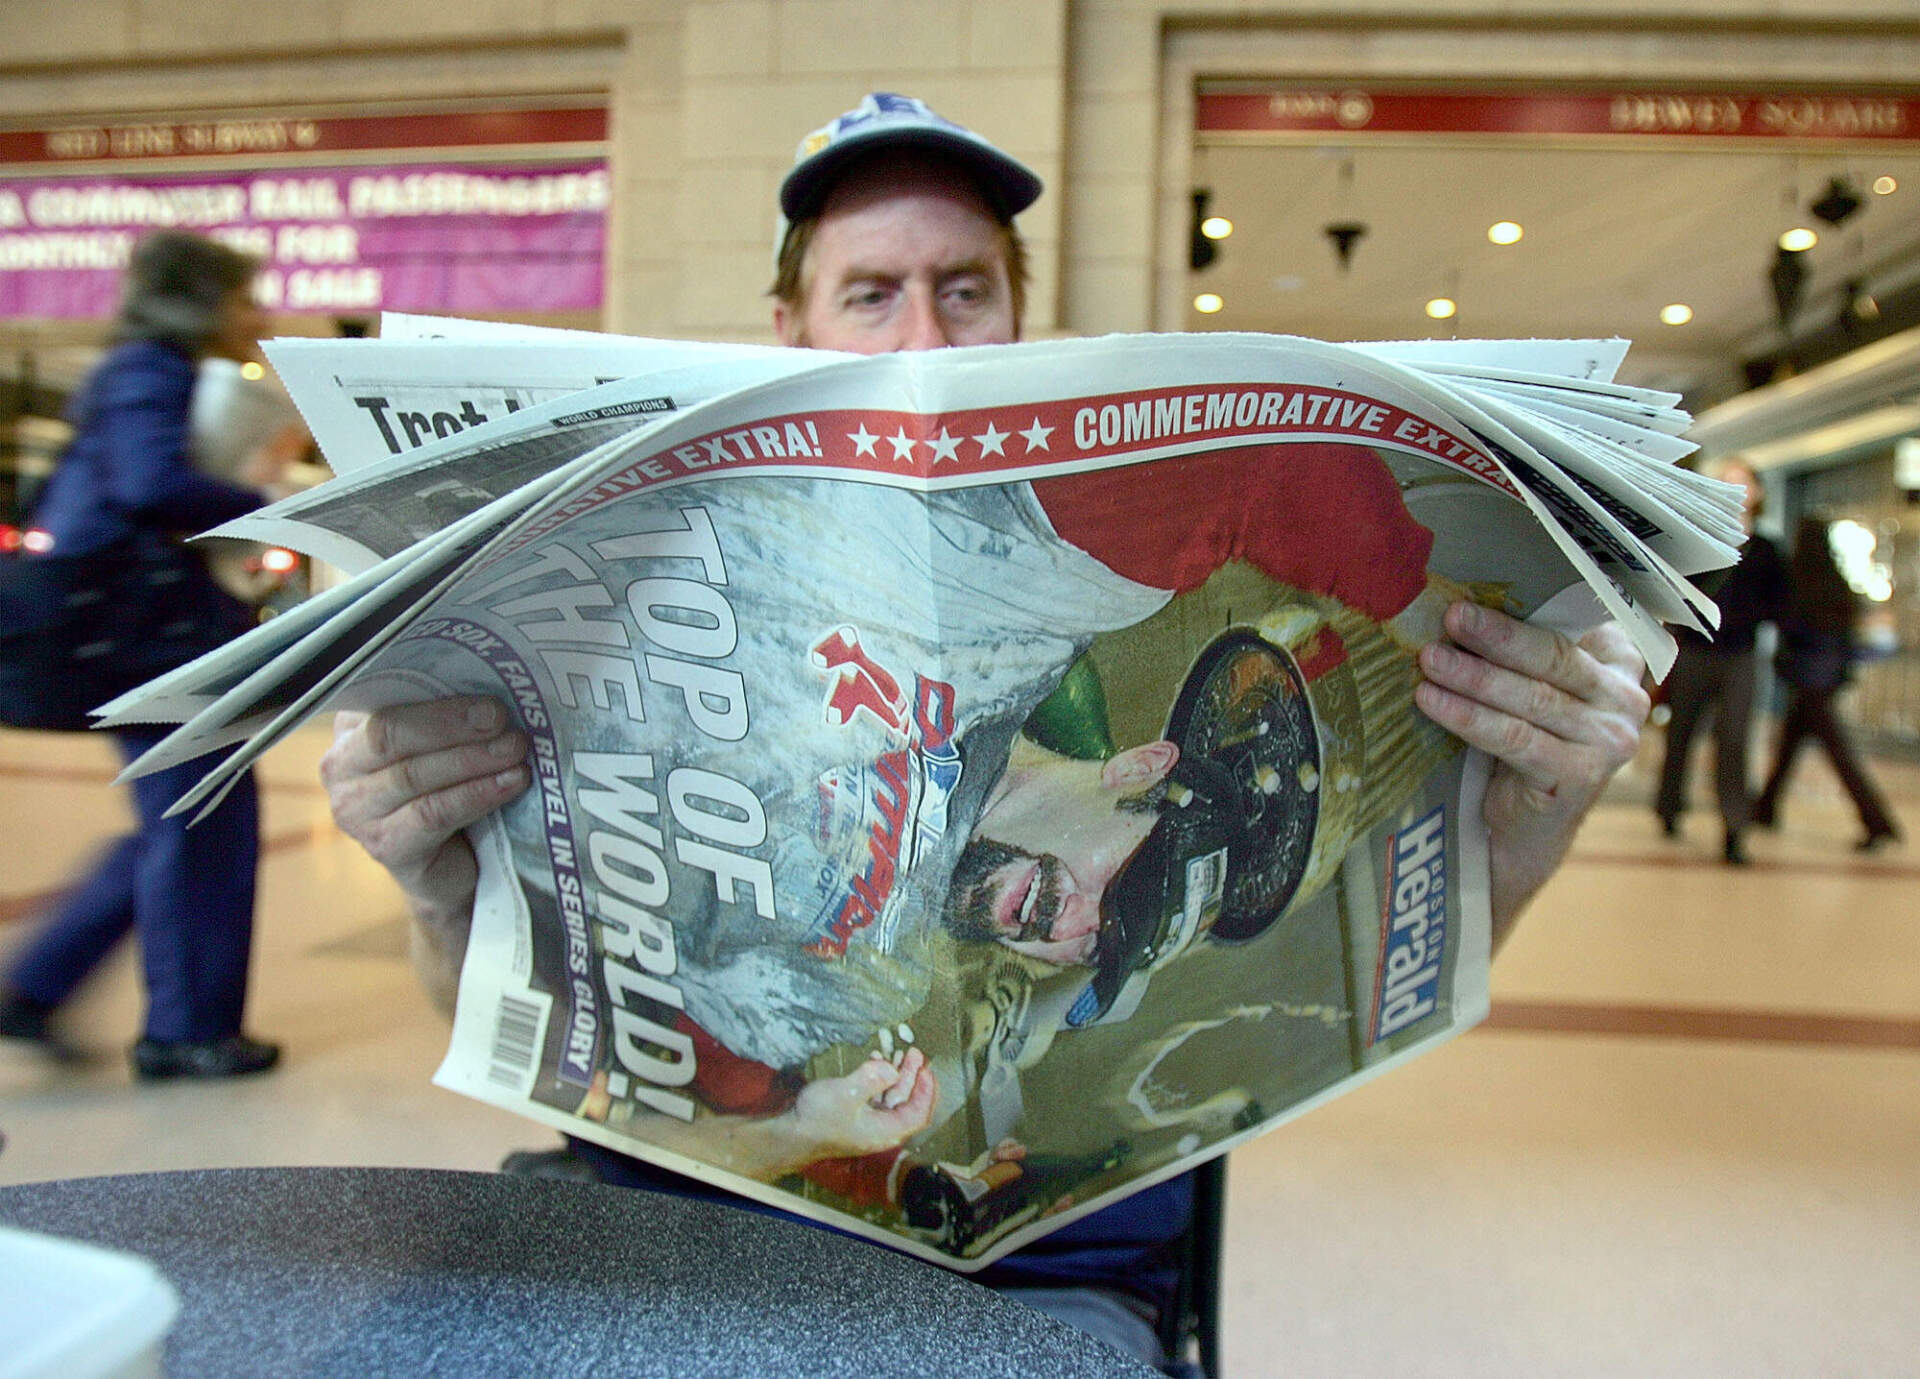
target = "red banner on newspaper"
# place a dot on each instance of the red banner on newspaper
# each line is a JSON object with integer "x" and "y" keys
{"x": 1066, "y": 435}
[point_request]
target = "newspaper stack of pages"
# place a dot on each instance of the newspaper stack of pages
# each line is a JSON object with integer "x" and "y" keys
{"x": 969, "y": 785}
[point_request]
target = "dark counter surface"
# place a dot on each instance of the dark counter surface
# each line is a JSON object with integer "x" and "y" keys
{"x": 358, "y": 1271}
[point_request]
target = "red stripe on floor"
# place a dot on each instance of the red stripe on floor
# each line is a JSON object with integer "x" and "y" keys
{"x": 1859, "y": 867}
{"x": 1681, "y": 1022}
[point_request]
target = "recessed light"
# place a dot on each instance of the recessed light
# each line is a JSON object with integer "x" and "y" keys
{"x": 1885, "y": 186}
{"x": 1797, "y": 239}
{"x": 252, "y": 372}
{"x": 1208, "y": 302}
{"x": 1504, "y": 232}
{"x": 1216, "y": 227}
{"x": 1676, "y": 314}
{"x": 1440, "y": 308}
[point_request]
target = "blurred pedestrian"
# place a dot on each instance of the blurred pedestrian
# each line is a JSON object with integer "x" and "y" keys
{"x": 1816, "y": 656}
{"x": 127, "y": 489}
{"x": 1714, "y": 677}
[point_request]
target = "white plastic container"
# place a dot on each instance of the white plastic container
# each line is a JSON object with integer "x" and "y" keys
{"x": 74, "y": 1311}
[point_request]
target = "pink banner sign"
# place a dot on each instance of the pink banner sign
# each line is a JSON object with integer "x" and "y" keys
{"x": 480, "y": 238}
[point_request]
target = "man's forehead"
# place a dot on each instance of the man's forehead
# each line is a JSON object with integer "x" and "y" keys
{"x": 885, "y": 228}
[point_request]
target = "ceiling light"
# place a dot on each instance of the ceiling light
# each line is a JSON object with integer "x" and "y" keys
{"x": 1798, "y": 240}
{"x": 252, "y": 372}
{"x": 1885, "y": 186}
{"x": 1208, "y": 302}
{"x": 1216, "y": 227}
{"x": 1504, "y": 232}
{"x": 1853, "y": 547}
{"x": 1441, "y": 308}
{"x": 1676, "y": 314}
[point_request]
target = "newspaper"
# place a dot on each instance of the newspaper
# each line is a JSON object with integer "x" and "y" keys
{"x": 970, "y": 785}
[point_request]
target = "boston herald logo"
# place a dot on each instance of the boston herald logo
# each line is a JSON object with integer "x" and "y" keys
{"x": 1413, "y": 926}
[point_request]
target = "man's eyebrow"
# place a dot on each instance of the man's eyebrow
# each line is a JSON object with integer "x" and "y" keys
{"x": 856, "y": 273}
{"x": 860, "y": 273}
{"x": 981, "y": 267}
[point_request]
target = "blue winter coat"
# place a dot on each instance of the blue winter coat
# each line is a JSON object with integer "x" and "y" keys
{"x": 128, "y": 468}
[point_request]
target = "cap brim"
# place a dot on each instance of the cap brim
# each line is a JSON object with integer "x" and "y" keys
{"x": 1008, "y": 186}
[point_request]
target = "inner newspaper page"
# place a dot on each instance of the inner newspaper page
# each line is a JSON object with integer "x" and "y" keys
{"x": 966, "y": 793}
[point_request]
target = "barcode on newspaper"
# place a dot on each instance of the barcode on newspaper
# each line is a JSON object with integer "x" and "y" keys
{"x": 516, "y": 1041}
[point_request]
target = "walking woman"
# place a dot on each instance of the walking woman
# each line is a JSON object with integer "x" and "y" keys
{"x": 126, "y": 491}
{"x": 1815, "y": 660}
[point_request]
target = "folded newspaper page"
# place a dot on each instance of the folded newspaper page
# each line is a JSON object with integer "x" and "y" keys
{"x": 969, "y": 786}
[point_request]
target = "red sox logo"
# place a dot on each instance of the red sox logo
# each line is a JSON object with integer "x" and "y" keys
{"x": 910, "y": 784}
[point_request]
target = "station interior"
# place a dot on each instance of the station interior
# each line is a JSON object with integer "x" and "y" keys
{"x": 1686, "y": 1140}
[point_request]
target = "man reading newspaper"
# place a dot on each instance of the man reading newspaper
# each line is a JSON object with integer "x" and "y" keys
{"x": 902, "y": 238}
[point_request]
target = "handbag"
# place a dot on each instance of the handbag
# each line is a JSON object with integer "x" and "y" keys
{"x": 79, "y": 630}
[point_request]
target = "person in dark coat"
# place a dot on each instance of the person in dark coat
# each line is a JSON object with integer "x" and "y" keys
{"x": 126, "y": 488}
{"x": 1815, "y": 661}
{"x": 1715, "y": 678}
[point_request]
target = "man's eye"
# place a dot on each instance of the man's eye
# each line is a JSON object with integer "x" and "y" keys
{"x": 867, "y": 297}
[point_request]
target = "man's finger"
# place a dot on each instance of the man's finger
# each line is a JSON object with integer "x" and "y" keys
{"x": 1521, "y": 697}
{"x": 1534, "y": 752}
{"x": 437, "y": 814}
{"x": 384, "y": 790}
{"x": 1528, "y": 649}
{"x": 407, "y": 730}
{"x": 1610, "y": 645}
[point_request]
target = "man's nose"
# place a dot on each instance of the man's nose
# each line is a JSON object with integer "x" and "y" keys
{"x": 1079, "y": 915}
{"x": 921, "y": 327}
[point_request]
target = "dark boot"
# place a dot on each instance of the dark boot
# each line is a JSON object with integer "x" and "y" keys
{"x": 234, "y": 1056}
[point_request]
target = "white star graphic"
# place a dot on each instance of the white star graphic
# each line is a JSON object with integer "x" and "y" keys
{"x": 902, "y": 445}
{"x": 991, "y": 441}
{"x": 863, "y": 440}
{"x": 1036, "y": 436}
{"x": 945, "y": 447}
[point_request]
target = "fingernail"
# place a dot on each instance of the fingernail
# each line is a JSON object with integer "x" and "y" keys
{"x": 484, "y": 716}
{"x": 512, "y": 778}
{"x": 507, "y": 745}
{"x": 1441, "y": 657}
{"x": 1473, "y": 617}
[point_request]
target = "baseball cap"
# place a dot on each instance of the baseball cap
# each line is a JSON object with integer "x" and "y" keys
{"x": 883, "y": 122}
{"x": 1235, "y": 833}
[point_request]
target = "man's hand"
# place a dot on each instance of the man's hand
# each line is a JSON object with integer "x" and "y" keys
{"x": 1558, "y": 717}
{"x": 403, "y": 782}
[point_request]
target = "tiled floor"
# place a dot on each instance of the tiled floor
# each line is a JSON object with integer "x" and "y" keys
{"x": 1687, "y": 1144}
